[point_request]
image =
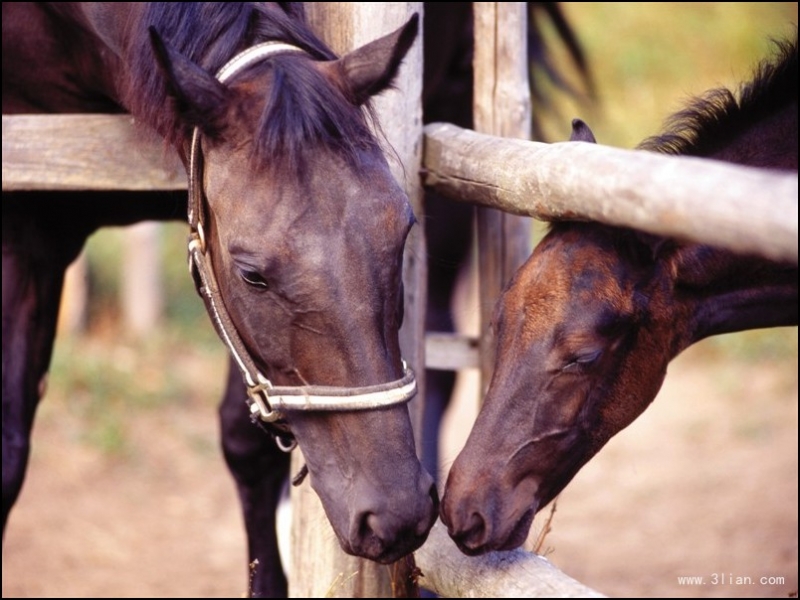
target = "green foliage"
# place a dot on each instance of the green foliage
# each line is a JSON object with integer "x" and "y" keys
{"x": 649, "y": 58}
{"x": 100, "y": 380}
{"x": 766, "y": 345}
{"x": 103, "y": 377}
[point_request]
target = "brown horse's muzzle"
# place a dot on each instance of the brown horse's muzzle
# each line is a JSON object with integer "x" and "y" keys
{"x": 481, "y": 517}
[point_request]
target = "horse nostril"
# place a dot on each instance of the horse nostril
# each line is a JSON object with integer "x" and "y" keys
{"x": 370, "y": 538}
{"x": 477, "y": 525}
{"x": 370, "y": 526}
{"x": 473, "y": 532}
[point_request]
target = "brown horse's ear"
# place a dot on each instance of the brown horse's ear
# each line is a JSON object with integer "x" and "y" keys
{"x": 200, "y": 100}
{"x": 581, "y": 132}
{"x": 659, "y": 247}
{"x": 370, "y": 69}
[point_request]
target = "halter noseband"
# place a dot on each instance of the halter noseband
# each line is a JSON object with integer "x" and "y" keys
{"x": 267, "y": 402}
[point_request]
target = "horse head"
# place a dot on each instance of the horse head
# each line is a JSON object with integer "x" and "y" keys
{"x": 585, "y": 331}
{"x": 300, "y": 226}
{"x": 580, "y": 355}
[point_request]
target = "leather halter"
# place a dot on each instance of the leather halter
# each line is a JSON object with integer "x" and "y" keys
{"x": 267, "y": 402}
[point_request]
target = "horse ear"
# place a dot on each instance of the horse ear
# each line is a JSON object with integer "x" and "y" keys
{"x": 200, "y": 100}
{"x": 658, "y": 248}
{"x": 370, "y": 69}
{"x": 581, "y": 132}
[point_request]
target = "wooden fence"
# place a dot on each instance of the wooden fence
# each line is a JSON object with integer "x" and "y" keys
{"x": 741, "y": 208}
{"x": 736, "y": 207}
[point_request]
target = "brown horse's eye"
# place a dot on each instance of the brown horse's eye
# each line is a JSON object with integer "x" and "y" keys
{"x": 582, "y": 361}
{"x": 254, "y": 279}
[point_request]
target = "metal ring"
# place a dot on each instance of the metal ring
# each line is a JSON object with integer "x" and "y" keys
{"x": 201, "y": 235}
{"x": 283, "y": 445}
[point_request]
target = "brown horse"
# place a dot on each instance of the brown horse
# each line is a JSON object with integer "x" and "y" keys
{"x": 447, "y": 95}
{"x": 588, "y": 325}
{"x": 298, "y": 230}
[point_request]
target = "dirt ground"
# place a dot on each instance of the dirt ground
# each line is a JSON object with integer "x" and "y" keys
{"x": 704, "y": 484}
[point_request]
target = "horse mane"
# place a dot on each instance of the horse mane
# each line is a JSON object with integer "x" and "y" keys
{"x": 300, "y": 108}
{"x": 720, "y": 115}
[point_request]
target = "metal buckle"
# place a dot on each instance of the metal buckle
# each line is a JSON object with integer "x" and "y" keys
{"x": 259, "y": 400}
{"x": 197, "y": 239}
{"x": 285, "y": 446}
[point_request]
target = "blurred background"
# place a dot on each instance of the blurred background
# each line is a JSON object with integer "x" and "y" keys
{"x": 128, "y": 495}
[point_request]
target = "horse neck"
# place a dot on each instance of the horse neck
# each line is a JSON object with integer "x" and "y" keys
{"x": 768, "y": 143}
{"x": 723, "y": 292}
{"x": 731, "y": 292}
{"x": 111, "y": 22}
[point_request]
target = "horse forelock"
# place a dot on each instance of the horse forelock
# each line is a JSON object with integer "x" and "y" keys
{"x": 302, "y": 107}
{"x": 720, "y": 115}
{"x": 303, "y": 111}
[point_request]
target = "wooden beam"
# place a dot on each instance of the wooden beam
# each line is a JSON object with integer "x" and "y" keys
{"x": 740, "y": 208}
{"x": 86, "y": 152}
{"x": 451, "y": 352}
{"x": 513, "y": 574}
{"x": 501, "y": 107}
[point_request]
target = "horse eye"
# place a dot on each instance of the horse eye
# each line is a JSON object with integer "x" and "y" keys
{"x": 581, "y": 361}
{"x": 254, "y": 279}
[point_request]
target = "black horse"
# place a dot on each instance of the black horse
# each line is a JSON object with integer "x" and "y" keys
{"x": 298, "y": 231}
{"x": 282, "y": 147}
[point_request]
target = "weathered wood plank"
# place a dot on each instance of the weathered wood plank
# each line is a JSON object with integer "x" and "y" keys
{"x": 514, "y": 574}
{"x": 741, "y": 208}
{"x": 501, "y": 107}
{"x": 85, "y": 152}
{"x": 451, "y": 352}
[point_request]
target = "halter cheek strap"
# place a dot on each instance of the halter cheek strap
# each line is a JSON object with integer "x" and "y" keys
{"x": 267, "y": 402}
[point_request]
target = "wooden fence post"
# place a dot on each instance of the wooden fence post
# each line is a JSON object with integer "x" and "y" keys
{"x": 73, "y": 310}
{"x": 502, "y": 107}
{"x": 141, "y": 288}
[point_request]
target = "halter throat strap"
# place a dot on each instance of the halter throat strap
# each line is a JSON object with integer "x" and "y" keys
{"x": 267, "y": 402}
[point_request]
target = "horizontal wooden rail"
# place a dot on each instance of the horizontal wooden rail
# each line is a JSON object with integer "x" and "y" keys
{"x": 513, "y": 574}
{"x": 744, "y": 209}
{"x": 740, "y": 208}
{"x": 86, "y": 152}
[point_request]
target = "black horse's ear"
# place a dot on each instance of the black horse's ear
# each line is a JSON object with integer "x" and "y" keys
{"x": 581, "y": 132}
{"x": 370, "y": 69}
{"x": 200, "y": 100}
